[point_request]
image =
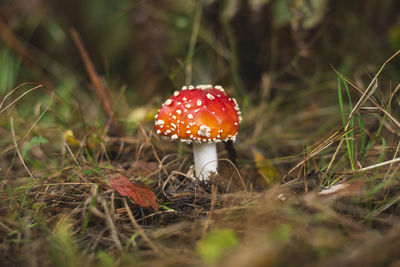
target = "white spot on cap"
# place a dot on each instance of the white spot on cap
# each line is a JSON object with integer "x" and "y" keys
{"x": 168, "y": 102}
{"x": 190, "y": 116}
{"x": 210, "y": 96}
{"x": 168, "y": 131}
{"x": 191, "y": 87}
{"x": 179, "y": 111}
{"x": 173, "y": 137}
{"x": 199, "y": 103}
{"x": 176, "y": 93}
{"x": 219, "y": 87}
{"x": 204, "y": 131}
{"x": 184, "y": 99}
{"x": 174, "y": 117}
{"x": 184, "y": 87}
{"x": 160, "y": 122}
{"x": 188, "y": 105}
{"x": 188, "y": 131}
{"x": 158, "y": 131}
{"x": 173, "y": 125}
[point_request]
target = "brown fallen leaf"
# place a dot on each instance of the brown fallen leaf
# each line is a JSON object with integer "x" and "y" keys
{"x": 140, "y": 193}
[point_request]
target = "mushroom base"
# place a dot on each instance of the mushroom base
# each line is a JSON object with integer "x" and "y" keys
{"x": 205, "y": 160}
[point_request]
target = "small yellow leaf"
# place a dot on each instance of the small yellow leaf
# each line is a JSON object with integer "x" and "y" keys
{"x": 150, "y": 115}
{"x": 265, "y": 168}
{"x": 141, "y": 114}
{"x": 70, "y": 138}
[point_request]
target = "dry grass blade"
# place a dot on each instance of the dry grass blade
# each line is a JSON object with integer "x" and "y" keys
{"x": 212, "y": 207}
{"x": 148, "y": 140}
{"x": 319, "y": 148}
{"x": 17, "y": 149}
{"x": 367, "y": 94}
{"x": 140, "y": 229}
{"x": 193, "y": 40}
{"x": 391, "y": 165}
{"x": 18, "y": 98}
{"x": 237, "y": 171}
{"x": 377, "y": 105}
{"x": 32, "y": 126}
{"x": 110, "y": 223}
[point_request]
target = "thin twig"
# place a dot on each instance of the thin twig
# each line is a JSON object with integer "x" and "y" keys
{"x": 374, "y": 166}
{"x": 94, "y": 77}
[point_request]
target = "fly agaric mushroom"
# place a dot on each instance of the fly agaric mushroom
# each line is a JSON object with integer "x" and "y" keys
{"x": 203, "y": 115}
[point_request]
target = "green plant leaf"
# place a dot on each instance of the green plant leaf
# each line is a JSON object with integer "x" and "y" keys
{"x": 214, "y": 244}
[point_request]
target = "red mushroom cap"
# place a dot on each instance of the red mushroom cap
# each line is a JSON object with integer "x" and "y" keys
{"x": 200, "y": 114}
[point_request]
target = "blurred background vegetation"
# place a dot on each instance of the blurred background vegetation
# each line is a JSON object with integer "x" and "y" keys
{"x": 143, "y": 49}
{"x": 275, "y": 52}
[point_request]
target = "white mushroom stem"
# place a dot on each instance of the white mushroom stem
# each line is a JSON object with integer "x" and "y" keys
{"x": 205, "y": 160}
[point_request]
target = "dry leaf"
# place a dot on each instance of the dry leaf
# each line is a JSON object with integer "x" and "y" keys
{"x": 70, "y": 139}
{"x": 140, "y": 193}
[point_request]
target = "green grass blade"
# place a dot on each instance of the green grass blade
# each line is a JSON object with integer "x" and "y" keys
{"x": 349, "y": 137}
